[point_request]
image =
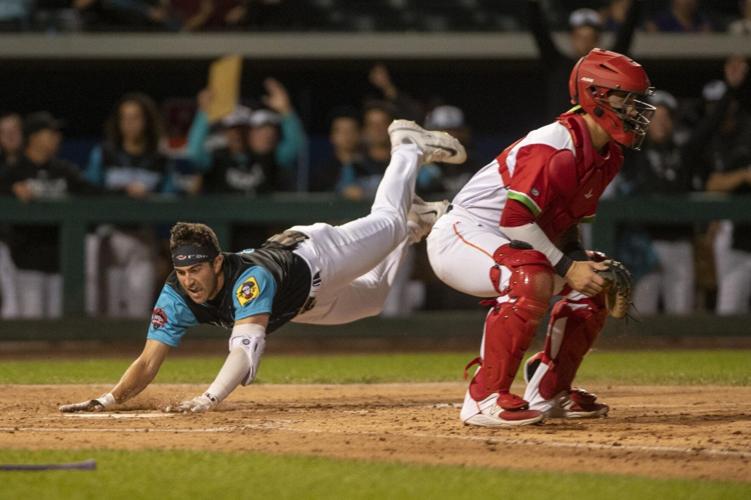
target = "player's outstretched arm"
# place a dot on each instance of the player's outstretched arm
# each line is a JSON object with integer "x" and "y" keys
{"x": 135, "y": 379}
{"x": 246, "y": 346}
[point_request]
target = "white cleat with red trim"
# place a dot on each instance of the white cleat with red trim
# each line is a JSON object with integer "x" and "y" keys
{"x": 487, "y": 413}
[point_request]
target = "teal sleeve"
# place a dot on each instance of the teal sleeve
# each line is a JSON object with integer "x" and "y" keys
{"x": 94, "y": 168}
{"x": 199, "y": 130}
{"x": 253, "y": 293}
{"x": 293, "y": 141}
{"x": 170, "y": 318}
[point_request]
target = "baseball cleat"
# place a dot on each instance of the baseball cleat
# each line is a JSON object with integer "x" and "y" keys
{"x": 436, "y": 147}
{"x": 422, "y": 216}
{"x": 574, "y": 403}
{"x": 487, "y": 413}
{"x": 578, "y": 403}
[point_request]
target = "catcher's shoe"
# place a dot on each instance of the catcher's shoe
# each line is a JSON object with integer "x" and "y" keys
{"x": 575, "y": 403}
{"x": 435, "y": 146}
{"x": 488, "y": 413}
{"x": 422, "y": 216}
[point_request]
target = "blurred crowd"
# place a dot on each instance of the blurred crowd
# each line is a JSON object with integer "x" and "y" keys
{"x": 146, "y": 150}
{"x": 733, "y": 16}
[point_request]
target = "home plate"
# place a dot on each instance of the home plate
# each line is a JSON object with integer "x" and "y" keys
{"x": 120, "y": 415}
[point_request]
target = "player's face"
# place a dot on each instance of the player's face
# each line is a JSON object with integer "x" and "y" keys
{"x": 200, "y": 281}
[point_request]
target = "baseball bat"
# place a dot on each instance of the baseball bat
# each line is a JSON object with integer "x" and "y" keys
{"x": 85, "y": 465}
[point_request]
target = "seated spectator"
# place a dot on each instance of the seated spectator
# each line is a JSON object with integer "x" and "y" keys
{"x": 15, "y": 14}
{"x": 261, "y": 149}
{"x": 683, "y": 16}
{"x": 663, "y": 167}
{"x": 742, "y": 26}
{"x": 120, "y": 263}
{"x": 343, "y": 167}
{"x": 40, "y": 175}
{"x": 11, "y": 140}
{"x": 728, "y": 159}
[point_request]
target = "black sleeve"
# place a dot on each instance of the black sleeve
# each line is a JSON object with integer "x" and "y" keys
{"x": 541, "y": 31}
{"x": 625, "y": 34}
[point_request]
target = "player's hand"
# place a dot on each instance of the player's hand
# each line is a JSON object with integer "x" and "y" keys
{"x": 101, "y": 403}
{"x": 582, "y": 277}
{"x": 199, "y": 404}
{"x": 277, "y": 97}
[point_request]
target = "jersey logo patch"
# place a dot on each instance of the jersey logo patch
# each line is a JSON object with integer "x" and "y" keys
{"x": 248, "y": 291}
{"x": 158, "y": 318}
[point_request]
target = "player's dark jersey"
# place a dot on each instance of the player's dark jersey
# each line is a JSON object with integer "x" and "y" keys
{"x": 269, "y": 280}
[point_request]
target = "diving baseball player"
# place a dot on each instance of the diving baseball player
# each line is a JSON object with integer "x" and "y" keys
{"x": 317, "y": 274}
{"x": 512, "y": 236}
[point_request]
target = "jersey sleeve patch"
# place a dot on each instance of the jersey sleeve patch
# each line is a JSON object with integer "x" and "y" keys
{"x": 170, "y": 318}
{"x": 253, "y": 293}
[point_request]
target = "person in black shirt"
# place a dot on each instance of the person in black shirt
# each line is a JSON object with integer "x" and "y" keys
{"x": 728, "y": 160}
{"x": 121, "y": 262}
{"x": 662, "y": 167}
{"x": 317, "y": 274}
{"x": 40, "y": 175}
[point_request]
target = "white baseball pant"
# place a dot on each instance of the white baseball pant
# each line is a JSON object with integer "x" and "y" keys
{"x": 358, "y": 261}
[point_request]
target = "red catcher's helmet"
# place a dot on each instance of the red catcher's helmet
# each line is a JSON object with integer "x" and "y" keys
{"x": 602, "y": 74}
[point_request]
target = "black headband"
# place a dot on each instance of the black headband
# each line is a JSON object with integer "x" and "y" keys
{"x": 192, "y": 253}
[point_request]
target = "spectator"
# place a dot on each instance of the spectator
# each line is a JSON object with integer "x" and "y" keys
{"x": 729, "y": 160}
{"x": 663, "y": 167}
{"x": 615, "y": 14}
{"x": 585, "y": 27}
{"x": 40, "y": 175}
{"x": 742, "y": 26}
{"x": 344, "y": 136}
{"x": 683, "y": 16}
{"x": 361, "y": 182}
{"x": 262, "y": 147}
{"x": 11, "y": 140}
{"x": 14, "y": 15}
{"x": 120, "y": 263}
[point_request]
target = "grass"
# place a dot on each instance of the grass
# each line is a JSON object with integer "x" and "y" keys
{"x": 192, "y": 474}
{"x": 694, "y": 367}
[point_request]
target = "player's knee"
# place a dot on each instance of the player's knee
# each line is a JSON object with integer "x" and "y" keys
{"x": 531, "y": 273}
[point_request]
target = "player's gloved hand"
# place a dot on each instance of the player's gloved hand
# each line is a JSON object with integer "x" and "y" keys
{"x": 582, "y": 276}
{"x": 99, "y": 404}
{"x": 199, "y": 404}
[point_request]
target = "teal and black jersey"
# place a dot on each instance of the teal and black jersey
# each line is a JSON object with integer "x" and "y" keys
{"x": 268, "y": 280}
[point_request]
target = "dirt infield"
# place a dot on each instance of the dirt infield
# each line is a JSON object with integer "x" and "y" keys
{"x": 690, "y": 432}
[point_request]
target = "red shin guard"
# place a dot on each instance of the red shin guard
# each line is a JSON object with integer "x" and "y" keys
{"x": 574, "y": 326}
{"x": 510, "y": 325}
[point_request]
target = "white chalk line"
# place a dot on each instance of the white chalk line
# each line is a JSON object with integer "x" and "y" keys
{"x": 105, "y": 416}
{"x": 492, "y": 441}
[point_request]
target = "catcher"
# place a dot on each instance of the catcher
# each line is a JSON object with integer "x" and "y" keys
{"x": 317, "y": 274}
{"x": 512, "y": 236}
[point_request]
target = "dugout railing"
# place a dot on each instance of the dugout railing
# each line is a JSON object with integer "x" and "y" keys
{"x": 75, "y": 217}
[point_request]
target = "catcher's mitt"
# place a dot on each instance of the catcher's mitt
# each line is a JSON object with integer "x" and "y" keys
{"x": 618, "y": 289}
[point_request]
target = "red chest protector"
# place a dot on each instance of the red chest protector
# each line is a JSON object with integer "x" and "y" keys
{"x": 578, "y": 186}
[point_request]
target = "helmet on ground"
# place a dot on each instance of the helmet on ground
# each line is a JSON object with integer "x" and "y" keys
{"x": 613, "y": 88}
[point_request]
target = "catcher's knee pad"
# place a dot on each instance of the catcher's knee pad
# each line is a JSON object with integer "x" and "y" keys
{"x": 513, "y": 320}
{"x": 573, "y": 328}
